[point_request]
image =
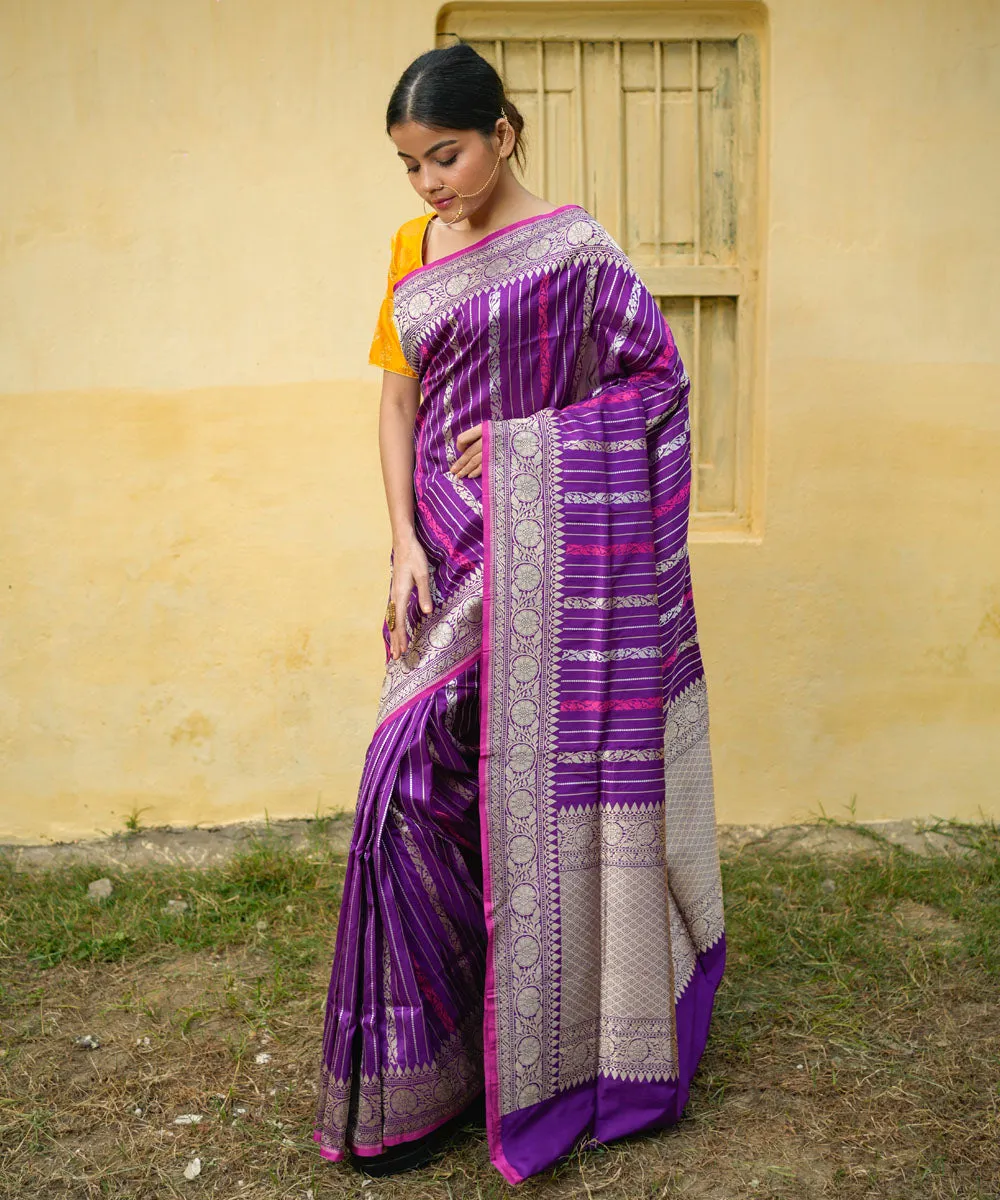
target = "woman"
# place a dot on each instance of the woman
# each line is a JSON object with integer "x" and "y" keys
{"x": 532, "y": 901}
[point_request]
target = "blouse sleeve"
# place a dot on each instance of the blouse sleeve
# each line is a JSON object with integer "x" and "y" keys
{"x": 386, "y": 351}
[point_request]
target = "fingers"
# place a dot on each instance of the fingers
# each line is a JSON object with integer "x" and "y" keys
{"x": 470, "y": 463}
{"x": 424, "y": 594}
{"x": 401, "y": 589}
{"x": 398, "y": 638}
{"x": 468, "y": 436}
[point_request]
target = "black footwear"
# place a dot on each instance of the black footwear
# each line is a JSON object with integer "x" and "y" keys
{"x": 474, "y": 1115}
{"x": 408, "y": 1156}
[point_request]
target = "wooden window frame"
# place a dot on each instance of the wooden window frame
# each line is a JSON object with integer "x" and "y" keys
{"x": 745, "y": 23}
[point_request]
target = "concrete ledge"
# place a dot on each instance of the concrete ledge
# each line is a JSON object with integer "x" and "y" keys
{"x": 211, "y": 845}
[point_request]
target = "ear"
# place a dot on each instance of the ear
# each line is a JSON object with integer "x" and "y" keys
{"x": 505, "y": 132}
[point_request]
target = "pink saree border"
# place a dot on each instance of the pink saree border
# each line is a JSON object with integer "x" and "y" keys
{"x": 326, "y": 1152}
{"x": 484, "y": 241}
{"x": 369, "y": 1151}
{"x": 433, "y": 686}
{"x": 490, "y": 1055}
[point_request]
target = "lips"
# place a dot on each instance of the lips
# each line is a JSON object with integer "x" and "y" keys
{"x": 443, "y": 203}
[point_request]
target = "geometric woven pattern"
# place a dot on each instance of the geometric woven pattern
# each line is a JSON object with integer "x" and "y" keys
{"x": 692, "y": 848}
{"x": 616, "y": 962}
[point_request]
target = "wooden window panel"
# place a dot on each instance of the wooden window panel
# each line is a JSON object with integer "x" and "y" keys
{"x": 650, "y": 119}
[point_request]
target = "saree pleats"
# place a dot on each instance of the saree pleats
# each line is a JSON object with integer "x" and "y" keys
{"x": 402, "y": 1042}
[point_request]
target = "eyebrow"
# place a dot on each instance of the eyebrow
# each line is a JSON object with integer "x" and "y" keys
{"x": 437, "y": 146}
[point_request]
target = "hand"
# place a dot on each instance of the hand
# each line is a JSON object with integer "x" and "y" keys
{"x": 470, "y": 447}
{"x": 409, "y": 570}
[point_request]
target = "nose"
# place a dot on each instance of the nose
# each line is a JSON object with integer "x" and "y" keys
{"x": 429, "y": 180}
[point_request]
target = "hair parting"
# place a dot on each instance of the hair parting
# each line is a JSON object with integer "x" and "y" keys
{"x": 453, "y": 87}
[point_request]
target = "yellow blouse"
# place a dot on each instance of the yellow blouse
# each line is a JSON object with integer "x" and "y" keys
{"x": 407, "y": 253}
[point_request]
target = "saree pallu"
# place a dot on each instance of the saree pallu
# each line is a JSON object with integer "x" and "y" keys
{"x": 533, "y": 901}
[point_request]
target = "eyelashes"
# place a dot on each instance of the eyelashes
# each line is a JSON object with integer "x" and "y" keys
{"x": 448, "y": 163}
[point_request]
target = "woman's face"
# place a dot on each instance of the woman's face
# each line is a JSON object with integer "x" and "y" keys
{"x": 442, "y": 163}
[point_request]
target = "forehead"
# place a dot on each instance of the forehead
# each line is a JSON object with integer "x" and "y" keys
{"x": 416, "y": 140}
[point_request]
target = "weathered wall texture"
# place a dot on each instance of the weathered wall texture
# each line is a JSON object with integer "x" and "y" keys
{"x": 196, "y": 201}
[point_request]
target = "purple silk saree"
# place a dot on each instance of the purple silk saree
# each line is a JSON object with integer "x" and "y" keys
{"x": 533, "y": 900}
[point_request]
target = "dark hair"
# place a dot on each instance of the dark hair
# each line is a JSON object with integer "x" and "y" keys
{"x": 453, "y": 87}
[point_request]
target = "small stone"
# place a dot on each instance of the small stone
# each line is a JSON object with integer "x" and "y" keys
{"x": 175, "y": 908}
{"x": 143, "y": 1041}
{"x": 290, "y": 909}
{"x": 828, "y": 885}
{"x": 100, "y": 889}
{"x": 262, "y": 1058}
{"x": 193, "y": 1169}
{"x": 240, "y": 1111}
{"x": 262, "y": 927}
{"x": 87, "y": 1042}
{"x": 137, "y": 1112}
{"x": 188, "y": 1119}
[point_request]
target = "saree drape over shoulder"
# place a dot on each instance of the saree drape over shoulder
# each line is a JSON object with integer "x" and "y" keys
{"x": 533, "y": 899}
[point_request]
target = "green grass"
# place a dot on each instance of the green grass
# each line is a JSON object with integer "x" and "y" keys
{"x": 855, "y": 1049}
{"x": 133, "y": 819}
{"x": 823, "y": 930}
{"x": 269, "y": 895}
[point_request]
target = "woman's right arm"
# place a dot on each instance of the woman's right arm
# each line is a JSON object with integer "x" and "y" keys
{"x": 398, "y": 408}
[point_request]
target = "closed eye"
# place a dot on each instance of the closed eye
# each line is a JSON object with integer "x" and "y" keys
{"x": 446, "y": 163}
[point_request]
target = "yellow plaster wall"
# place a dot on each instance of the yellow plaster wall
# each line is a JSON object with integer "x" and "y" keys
{"x": 195, "y": 206}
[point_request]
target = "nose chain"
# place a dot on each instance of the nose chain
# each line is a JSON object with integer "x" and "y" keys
{"x": 468, "y": 195}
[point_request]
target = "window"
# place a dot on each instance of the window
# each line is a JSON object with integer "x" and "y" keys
{"x": 650, "y": 119}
